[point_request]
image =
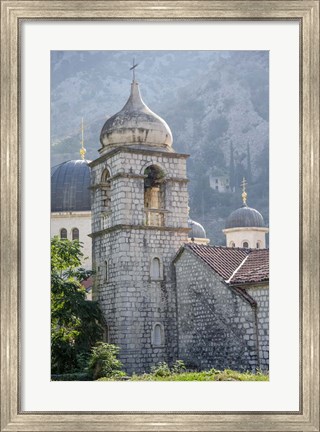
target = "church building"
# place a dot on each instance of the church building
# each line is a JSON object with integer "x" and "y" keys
{"x": 245, "y": 226}
{"x": 165, "y": 292}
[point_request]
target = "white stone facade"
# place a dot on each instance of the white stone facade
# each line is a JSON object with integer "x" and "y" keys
{"x": 251, "y": 237}
{"x": 220, "y": 183}
{"x": 69, "y": 221}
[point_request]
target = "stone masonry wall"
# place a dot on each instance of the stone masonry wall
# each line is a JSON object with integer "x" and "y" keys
{"x": 261, "y": 296}
{"x": 216, "y": 326}
{"x": 133, "y": 301}
{"x": 127, "y": 189}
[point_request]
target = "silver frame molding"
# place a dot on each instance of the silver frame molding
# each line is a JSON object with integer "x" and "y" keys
{"x": 306, "y": 12}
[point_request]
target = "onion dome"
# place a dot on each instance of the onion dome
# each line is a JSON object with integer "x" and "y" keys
{"x": 197, "y": 230}
{"x": 70, "y": 183}
{"x": 245, "y": 217}
{"x": 135, "y": 125}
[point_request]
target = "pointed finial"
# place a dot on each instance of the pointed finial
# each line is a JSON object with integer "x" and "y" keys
{"x": 83, "y": 151}
{"x": 244, "y": 193}
{"x": 133, "y": 70}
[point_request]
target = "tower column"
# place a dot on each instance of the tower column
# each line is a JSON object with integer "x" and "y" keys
{"x": 135, "y": 241}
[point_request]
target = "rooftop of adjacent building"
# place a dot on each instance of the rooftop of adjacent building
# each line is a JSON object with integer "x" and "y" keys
{"x": 236, "y": 266}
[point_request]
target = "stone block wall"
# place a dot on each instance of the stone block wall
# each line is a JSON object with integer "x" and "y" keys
{"x": 216, "y": 325}
{"x": 261, "y": 295}
{"x": 127, "y": 188}
{"x": 133, "y": 302}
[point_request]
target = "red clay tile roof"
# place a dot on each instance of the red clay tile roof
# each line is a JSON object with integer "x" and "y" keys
{"x": 254, "y": 269}
{"x": 235, "y": 265}
{"x": 87, "y": 283}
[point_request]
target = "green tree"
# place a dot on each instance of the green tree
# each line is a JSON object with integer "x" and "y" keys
{"x": 76, "y": 323}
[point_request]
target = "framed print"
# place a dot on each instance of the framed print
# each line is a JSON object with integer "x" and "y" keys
{"x": 32, "y": 33}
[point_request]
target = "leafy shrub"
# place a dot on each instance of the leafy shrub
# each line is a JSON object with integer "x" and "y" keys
{"x": 82, "y": 361}
{"x": 161, "y": 370}
{"x": 103, "y": 361}
{"x": 76, "y": 324}
{"x": 178, "y": 367}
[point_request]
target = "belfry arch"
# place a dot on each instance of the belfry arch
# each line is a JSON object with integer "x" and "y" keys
{"x": 105, "y": 190}
{"x": 154, "y": 195}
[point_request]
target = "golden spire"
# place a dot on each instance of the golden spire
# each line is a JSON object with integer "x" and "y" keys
{"x": 83, "y": 151}
{"x": 244, "y": 193}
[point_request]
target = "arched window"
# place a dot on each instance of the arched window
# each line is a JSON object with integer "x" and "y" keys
{"x": 245, "y": 244}
{"x": 155, "y": 268}
{"x": 232, "y": 244}
{"x": 158, "y": 335}
{"x": 75, "y": 234}
{"x": 154, "y": 195}
{"x": 63, "y": 233}
{"x": 105, "y": 190}
{"x": 105, "y": 175}
{"x": 258, "y": 244}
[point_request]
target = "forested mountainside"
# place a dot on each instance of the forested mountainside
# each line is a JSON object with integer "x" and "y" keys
{"x": 215, "y": 102}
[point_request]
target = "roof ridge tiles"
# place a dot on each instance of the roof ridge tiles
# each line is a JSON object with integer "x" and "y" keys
{"x": 234, "y": 265}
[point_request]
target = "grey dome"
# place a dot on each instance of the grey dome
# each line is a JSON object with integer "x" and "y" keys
{"x": 70, "y": 183}
{"x": 245, "y": 217}
{"x": 135, "y": 124}
{"x": 197, "y": 230}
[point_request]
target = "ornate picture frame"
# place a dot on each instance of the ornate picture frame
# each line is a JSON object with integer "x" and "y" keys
{"x": 15, "y": 12}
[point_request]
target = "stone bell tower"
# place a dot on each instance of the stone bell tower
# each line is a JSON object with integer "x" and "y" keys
{"x": 139, "y": 221}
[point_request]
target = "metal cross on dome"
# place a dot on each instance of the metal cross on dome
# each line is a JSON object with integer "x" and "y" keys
{"x": 133, "y": 70}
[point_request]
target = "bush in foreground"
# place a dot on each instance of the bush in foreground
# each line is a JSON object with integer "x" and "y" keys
{"x": 103, "y": 362}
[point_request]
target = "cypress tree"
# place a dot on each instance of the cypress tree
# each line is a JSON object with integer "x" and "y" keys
{"x": 249, "y": 171}
{"x": 232, "y": 169}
